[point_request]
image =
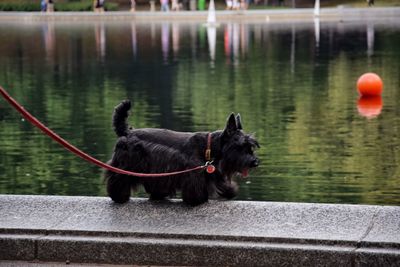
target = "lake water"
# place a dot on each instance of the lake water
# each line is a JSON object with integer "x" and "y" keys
{"x": 293, "y": 84}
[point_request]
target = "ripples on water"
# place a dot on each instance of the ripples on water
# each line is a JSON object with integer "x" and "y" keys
{"x": 294, "y": 87}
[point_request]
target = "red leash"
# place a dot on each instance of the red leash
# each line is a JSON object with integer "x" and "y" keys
{"x": 79, "y": 152}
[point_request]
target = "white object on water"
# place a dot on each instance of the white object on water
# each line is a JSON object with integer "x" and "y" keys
{"x": 211, "y": 30}
{"x": 316, "y": 8}
{"x": 211, "y": 19}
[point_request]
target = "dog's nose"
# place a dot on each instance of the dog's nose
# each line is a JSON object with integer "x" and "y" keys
{"x": 255, "y": 163}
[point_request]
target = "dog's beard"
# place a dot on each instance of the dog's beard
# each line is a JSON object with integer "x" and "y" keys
{"x": 234, "y": 168}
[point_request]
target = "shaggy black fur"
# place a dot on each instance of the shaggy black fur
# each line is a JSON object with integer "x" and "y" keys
{"x": 159, "y": 150}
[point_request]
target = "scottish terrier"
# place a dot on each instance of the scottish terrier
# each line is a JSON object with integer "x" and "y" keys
{"x": 151, "y": 150}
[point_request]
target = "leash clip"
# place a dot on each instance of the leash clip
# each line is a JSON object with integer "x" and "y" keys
{"x": 208, "y": 163}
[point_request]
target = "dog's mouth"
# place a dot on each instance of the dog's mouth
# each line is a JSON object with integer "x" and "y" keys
{"x": 243, "y": 174}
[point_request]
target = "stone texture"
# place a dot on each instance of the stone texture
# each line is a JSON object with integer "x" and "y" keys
{"x": 385, "y": 228}
{"x": 377, "y": 257}
{"x": 35, "y": 212}
{"x": 17, "y": 247}
{"x": 225, "y": 219}
{"x": 237, "y": 233}
{"x": 184, "y": 252}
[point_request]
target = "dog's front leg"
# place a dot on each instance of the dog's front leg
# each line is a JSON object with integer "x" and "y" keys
{"x": 226, "y": 188}
{"x": 194, "y": 189}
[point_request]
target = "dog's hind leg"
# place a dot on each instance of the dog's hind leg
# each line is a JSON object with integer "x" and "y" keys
{"x": 118, "y": 187}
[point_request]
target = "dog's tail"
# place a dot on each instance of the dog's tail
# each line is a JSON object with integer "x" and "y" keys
{"x": 120, "y": 116}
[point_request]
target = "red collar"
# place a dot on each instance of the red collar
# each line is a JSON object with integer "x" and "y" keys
{"x": 210, "y": 168}
{"x": 208, "y": 149}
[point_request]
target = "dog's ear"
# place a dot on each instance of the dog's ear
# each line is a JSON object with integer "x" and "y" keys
{"x": 239, "y": 122}
{"x": 231, "y": 126}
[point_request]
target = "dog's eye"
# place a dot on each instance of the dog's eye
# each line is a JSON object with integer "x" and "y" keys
{"x": 248, "y": 148}
{"x": 253, "y": 148}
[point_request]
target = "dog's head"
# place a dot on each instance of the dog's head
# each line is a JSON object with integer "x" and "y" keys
{"x": 237, "y": 149}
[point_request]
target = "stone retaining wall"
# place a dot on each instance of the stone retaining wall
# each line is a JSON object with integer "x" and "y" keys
{"x": 223, "y": 233}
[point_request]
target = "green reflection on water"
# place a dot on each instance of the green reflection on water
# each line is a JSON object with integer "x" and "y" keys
{"x": 298, "y": 97}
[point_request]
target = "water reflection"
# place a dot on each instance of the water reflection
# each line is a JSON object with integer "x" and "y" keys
{"x": 134, "y": 40}
{"x": 212, "y": 38}
{"x": 317, "y": 31}
{"x": 370, "y": 38}
{"x": 293, "y": 50}
{"x": 292, "y": 83}
{"x": 370, "y": 106}
{"x": 100, "y": 35}
{"x": 49, "y": 40}
{"x": 165, "y": 41}
{"x": 175, "y": 39}
{"x": 232, "y": 42}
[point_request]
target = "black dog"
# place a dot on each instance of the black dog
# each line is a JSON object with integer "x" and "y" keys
{"x": 160, "y": 151}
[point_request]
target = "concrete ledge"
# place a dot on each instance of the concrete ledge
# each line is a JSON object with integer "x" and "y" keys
{"x": 237, "y": 233}
{"x": 270, "y": 16}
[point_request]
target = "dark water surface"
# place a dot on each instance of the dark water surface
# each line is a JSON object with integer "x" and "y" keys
{"x": 294, "y": 85}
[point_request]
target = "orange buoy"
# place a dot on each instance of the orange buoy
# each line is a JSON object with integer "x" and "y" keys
{"x": 369, "y": 84}
{"x": 370, "y": 106}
